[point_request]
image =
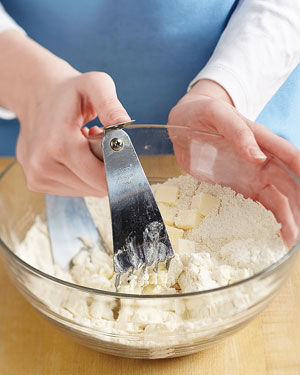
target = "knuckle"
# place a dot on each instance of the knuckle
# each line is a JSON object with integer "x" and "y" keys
{"x": 104, "y": 76}
{"x": 54, "y": 150}
{"x": 210, "y": 109}
{"x": 294, "y": 158}
{"x": 172, "y": 115}
{"x": 92, "y": 78}
{"x": 33, "y": 181}
{"x": 242, "y": 132}
{"x": 34, "y": 174}
{"x": 34, "y": 167}
{"x": 32, "y": 187}
{"x": 89, "y": 79}
{"x": 211, "y": 106}
{"x": 295, "y": 155}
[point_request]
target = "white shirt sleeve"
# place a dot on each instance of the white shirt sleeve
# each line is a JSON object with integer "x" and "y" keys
{"x": 257, "y": 51}
{"x": 7, "y": 23}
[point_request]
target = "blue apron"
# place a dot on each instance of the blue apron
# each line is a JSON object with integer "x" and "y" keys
{"x": 151, "y": 48}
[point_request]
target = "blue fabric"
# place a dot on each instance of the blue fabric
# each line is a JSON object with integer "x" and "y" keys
{"x": 282, "y": 113}
{"x": 151, "y": 48}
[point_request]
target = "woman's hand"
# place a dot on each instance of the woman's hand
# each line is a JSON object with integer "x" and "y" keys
{"x": 53, "y": 101}
{"x": 208, "y": 107}
{"x": 51, "y": 148}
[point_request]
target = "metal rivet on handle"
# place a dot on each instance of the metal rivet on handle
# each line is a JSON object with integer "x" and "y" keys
{"x": 116, "y": 144}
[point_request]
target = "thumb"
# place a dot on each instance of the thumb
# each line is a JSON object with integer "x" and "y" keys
{"x": 99, "y": 88}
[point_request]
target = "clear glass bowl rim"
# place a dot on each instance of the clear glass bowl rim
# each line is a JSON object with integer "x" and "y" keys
{"x": 264, "y": 273}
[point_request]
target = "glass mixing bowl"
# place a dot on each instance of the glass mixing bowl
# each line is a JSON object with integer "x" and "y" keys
{"x": 211, "y": 315}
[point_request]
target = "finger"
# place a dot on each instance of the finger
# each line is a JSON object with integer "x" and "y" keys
{"x": 85, "y": 131}
{"x": 274, "y": 174}
{"x": 61, "y": 181}
{"x": 277, "y": 145}
{"x": 228, "y": 123}
{"x": 278, "y": 203}
{"x": 101, "y": 91}
{"x": 95, "y": 130}
{"x": 75, "y": 185}
{"x": 182, "y": 157}
{"x": 58, "y": 188}
{"x": 80, "y": 160}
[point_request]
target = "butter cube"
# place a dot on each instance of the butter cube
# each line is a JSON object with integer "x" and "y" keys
{"x": 167, "y": 194}
{"x": 174, "y": 235}
{"x": 149, "y": 289}
{"x": 159, "y": 278}
{"x": 101, "y": 310}
{"x": 167, "y": 213}
{"x": 204, "y": 203}
{"x": 155, "y": 289}
{"x": 188, "y": 219}
{"x": 186, "y": 246}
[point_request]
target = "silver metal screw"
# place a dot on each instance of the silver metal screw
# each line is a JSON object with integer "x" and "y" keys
{"x": 117, "y": 144}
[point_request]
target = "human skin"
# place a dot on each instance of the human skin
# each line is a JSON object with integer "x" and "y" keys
{"x": 54, "y": 101}
{"x": 208, "y": 107}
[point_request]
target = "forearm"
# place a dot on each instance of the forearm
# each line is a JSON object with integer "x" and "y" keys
{"x": 257, "y": 51}
{"x": 27, "y": 71}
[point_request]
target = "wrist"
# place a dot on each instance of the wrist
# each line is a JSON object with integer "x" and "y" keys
{"x": 42, "y": 85}
{"x": 27, "y": 72}
{"x": 211, "y": 89}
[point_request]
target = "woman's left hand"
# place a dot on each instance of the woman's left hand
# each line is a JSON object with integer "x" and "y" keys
{"x": 208, "y": 107}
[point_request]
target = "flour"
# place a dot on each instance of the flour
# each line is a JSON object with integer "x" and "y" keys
{"x": 235, "y": 240}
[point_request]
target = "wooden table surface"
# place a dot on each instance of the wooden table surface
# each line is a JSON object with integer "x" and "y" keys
{"x": 29, "y": 345}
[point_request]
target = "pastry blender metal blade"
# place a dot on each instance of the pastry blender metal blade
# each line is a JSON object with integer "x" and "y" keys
{"x": 140, "y": 237}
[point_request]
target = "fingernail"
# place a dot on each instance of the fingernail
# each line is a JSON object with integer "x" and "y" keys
{"x": 256, "y": 153}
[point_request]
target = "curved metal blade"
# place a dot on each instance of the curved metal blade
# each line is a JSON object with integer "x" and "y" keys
{"x": 70, "y": 226}
{"x": 139, "y": 234}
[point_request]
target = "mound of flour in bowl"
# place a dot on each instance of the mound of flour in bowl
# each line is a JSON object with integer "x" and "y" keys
{"x": 236, "y": 239}
{"x": 220, "y": 236}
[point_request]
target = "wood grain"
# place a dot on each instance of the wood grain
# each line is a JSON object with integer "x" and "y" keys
{"x": 270, "y": 345}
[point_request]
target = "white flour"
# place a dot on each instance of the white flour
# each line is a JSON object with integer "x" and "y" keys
{"x": 236, "y": 239}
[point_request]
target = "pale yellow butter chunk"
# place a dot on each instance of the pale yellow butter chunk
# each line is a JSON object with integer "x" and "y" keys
{"x": 154, "y": 289}
{"x": 188, "y": 219}
{"x": 204, "y": 203}
{"x": 174, "y": 235}
{"x": 167, "y": 213}
{"x": 186, "y": 246}
{"x": 167, "y": 194}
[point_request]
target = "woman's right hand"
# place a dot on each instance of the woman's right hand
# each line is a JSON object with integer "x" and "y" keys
{"x": 53, "y": 101}
{"x": 52, "y": 149}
